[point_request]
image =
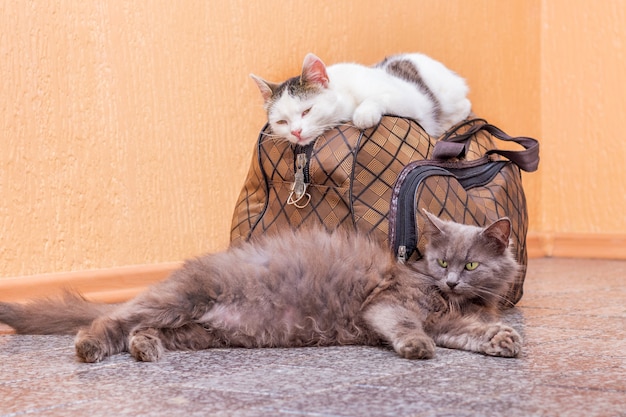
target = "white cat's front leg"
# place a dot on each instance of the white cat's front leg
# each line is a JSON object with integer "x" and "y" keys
{"x": 402, "y": 328}
{"x": 367, "y": 114}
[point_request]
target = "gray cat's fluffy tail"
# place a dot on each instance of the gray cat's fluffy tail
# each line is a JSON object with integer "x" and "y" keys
{"x": 62, "y": 315}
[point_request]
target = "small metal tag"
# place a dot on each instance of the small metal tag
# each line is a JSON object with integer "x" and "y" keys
{"x": 298, "y": 196}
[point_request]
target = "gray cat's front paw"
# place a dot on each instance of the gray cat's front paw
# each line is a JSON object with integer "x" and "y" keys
{"x": 415, "y": 347}
{"x": 146, "y": 346}
{"x": 89, "y": 348}
{"x": 503, "y": 341}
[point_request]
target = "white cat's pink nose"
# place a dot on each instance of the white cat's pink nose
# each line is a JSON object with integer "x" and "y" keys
{"x": 297, "y": 133}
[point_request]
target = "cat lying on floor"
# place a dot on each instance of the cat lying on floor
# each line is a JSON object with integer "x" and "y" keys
{"x": 305, "y": 288}
{"x": 406, "y": 85}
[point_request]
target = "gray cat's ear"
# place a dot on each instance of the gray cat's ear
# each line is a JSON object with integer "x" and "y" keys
{"x": 314, "y": 70}
{"x": 499, "y": 232}
{"x": 432, "y": 224}
{"x": 267, "y": 88}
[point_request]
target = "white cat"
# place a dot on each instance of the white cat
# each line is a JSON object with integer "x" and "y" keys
{"x": 407, "y": 85}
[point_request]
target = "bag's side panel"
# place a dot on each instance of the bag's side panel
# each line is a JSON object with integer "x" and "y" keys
{"x": 251, "y": 202}
{"x": 272, "y": 161}
{"x": 502, "y": 197}
{"x": 382, "y": 154}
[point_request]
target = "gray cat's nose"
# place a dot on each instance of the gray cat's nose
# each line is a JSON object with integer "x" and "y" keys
{"x": 452, "y": 280}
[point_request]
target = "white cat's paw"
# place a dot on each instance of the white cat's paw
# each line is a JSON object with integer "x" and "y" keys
{"x": 366, "y": 115}
{"x": 503, "y": 341}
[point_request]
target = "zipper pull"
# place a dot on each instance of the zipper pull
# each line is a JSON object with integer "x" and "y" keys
{"x": 401, "y": 254}
{"x": 298, "y": 188}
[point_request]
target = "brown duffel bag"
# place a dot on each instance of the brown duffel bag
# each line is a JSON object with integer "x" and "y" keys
{"x": 377, "y": 180}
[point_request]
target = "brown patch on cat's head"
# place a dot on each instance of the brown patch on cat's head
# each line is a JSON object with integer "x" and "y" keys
{"x": 295, "y": 87}
{"x": 312, "y": 79}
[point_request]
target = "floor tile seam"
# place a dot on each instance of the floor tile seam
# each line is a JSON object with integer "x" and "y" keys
{"x": 591, "y": 332}
{"x": 585, "y": 355}
{"x": 585, "y": 388}
{"x": 549, "y": 373}
{"x": 553, "y": 311}
{"x": 582, "y": 294}
{"x": 585, "y": 373}
{"x": 557, "y": 311}
{"x": 588, "y": 312}
{"x": 551, "y": 343}
{"x": 593, "y": 335}
{"x": 542, "y": 305}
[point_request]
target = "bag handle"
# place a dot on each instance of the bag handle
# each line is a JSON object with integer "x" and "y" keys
{"x": 457, "y": 146}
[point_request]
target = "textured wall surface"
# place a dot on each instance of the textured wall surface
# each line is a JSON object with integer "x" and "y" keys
{"x": 126, "y": 127}
{"x": 583, "y": 114}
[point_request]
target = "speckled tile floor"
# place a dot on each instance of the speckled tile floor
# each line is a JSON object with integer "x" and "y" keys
{"x": 573, "y": 317}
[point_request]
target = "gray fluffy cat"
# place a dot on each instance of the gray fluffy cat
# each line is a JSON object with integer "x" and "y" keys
{"x": 305, "y": 288}
{"x": 406, "y": 85}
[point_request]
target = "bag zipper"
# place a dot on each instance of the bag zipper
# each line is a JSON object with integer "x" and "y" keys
{"x": 403, "y": 233}
{"x": 298, "y": 196}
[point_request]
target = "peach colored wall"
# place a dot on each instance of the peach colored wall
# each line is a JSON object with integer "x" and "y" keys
{"x": 583, "y": 102}
{"x": 126, "y": 127}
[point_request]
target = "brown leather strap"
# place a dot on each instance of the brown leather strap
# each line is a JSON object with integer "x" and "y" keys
{"x": 456, "y": 146}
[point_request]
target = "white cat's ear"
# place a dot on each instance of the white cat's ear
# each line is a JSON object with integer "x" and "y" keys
{"x": 314, "y": 70}
{"x": 433, "y": 223}
{"x": 267, "y": 88}
{"x": 499, "y": 232}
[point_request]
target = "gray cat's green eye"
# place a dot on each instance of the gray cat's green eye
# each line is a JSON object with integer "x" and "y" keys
{"x": 442, "y": 263}
{"x": 470, "y": 266}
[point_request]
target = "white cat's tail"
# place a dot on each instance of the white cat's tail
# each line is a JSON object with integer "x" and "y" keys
{"x": 61, "y": 315}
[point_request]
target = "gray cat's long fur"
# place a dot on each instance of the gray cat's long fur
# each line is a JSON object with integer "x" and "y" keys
{"x": 304, "y": 288}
